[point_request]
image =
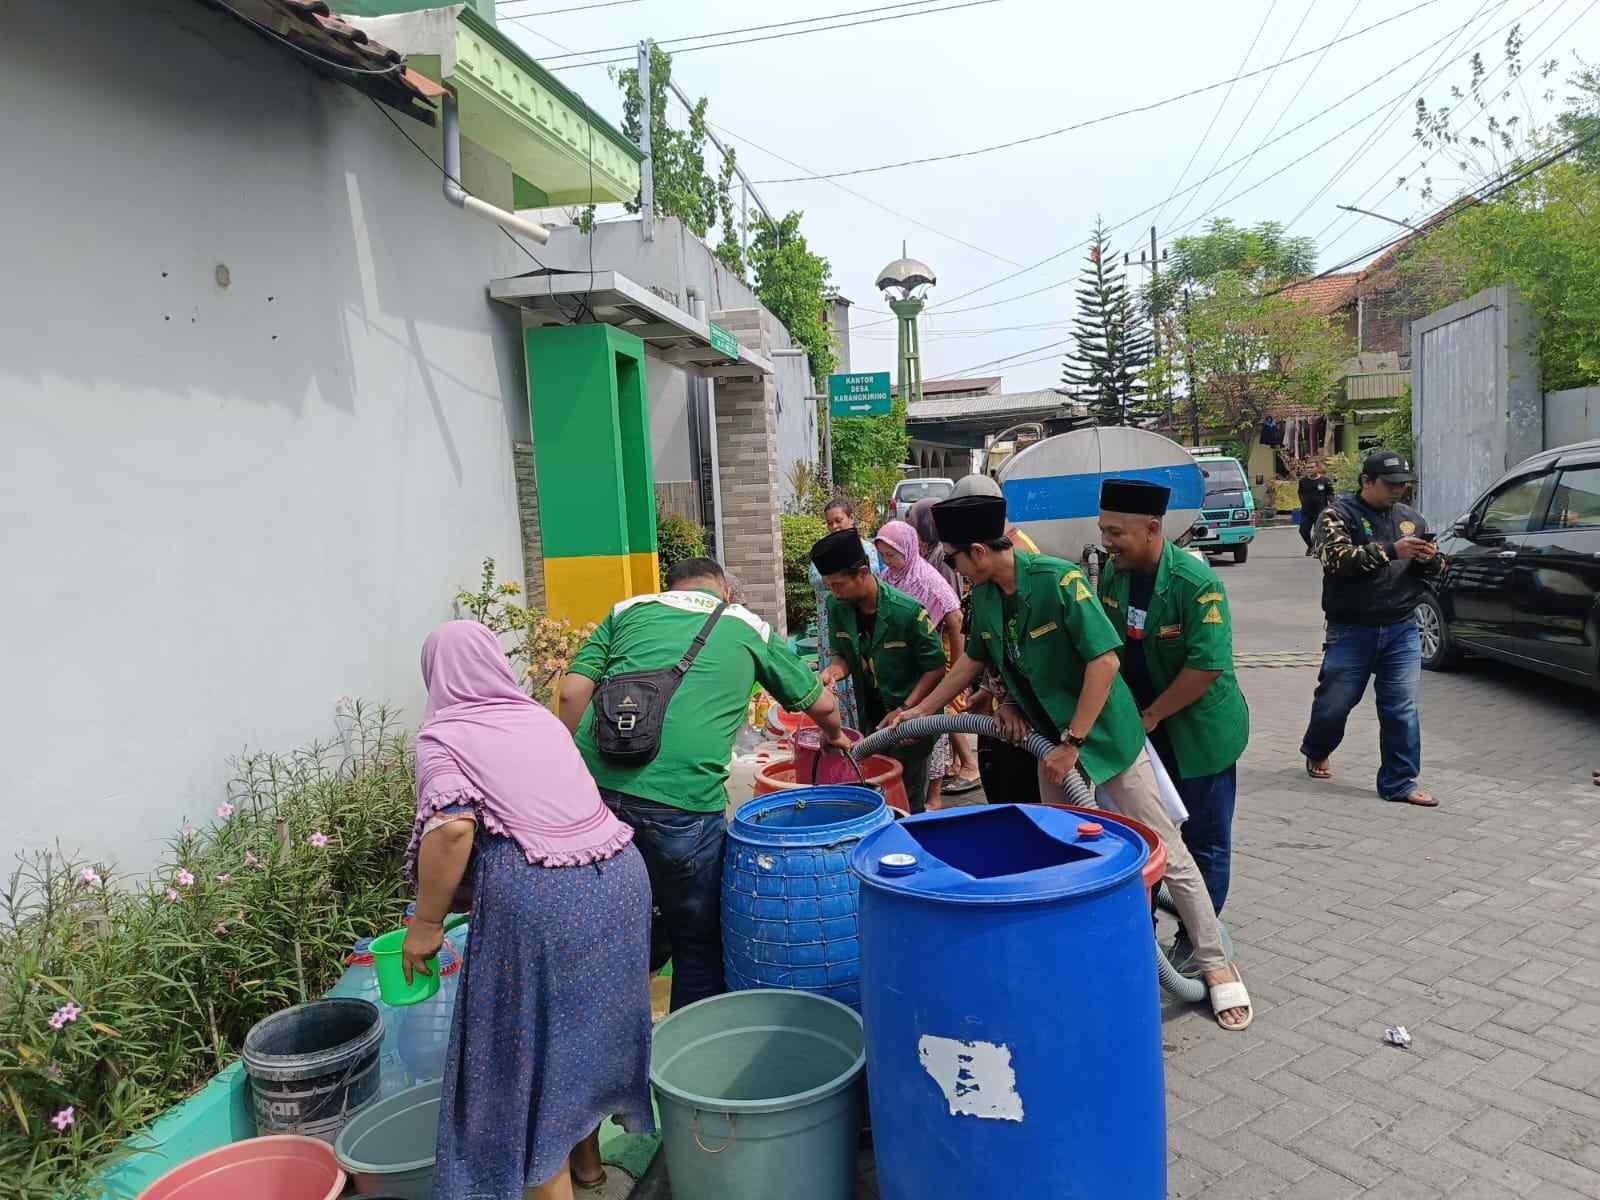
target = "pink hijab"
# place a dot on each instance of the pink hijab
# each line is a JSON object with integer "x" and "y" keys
{"x": 917, "y": 578}
{"x": 487, "y": 745}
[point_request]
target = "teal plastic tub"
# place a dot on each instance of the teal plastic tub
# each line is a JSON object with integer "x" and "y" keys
{"x": 388, "y": 1149}
{"x": 760, "y": 1094}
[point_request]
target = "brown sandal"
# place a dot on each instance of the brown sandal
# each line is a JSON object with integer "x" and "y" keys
{"x": 1318, "y": 772}
{"x": 589, "y": 1185}
{"x": 1419, "y": 798}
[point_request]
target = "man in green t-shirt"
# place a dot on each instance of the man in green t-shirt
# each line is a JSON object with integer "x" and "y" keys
{"x": 1036, "y": 619}
{"x": 675, "y": 802}
{"x": 1172, "y": 613}
{"x": 884, "y": 641}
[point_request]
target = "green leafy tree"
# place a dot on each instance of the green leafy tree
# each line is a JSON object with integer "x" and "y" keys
{"x": 684, "y": 188}
{"x": 868, "y": 451}
{"x": 1238, "y": 349}
{"x": 1543, "y": 237}
{"x": 793, "y": 282}
{"x": 1260, "y": 256}
{"x": 1111, "y": 337}
{"x": 1581, "y": 119}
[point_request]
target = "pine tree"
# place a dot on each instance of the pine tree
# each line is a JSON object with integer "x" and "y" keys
{"x": 1112, "y": 343}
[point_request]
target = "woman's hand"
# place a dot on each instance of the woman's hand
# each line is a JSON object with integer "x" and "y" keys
{"x": 423, "y": 939}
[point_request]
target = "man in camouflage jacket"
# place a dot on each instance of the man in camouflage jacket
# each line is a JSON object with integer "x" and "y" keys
{"x": 1376, "y": 553}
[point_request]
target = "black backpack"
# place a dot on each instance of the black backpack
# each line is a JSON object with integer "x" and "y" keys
{"x": 630, "y": 709}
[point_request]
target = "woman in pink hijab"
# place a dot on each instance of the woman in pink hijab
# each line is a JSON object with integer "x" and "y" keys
{"x": 905, "y": 569}
{"x": 552, "y": 1018}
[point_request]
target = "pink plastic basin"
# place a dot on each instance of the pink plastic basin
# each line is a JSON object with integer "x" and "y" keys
{"x": 819, "y": 765}
{"x": 281, "y": 1167}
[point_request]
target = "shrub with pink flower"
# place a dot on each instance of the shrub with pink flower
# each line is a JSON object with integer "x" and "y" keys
{"x": 88, "y": 876}
{"x": 185, "y": 879}
{"x": 172, "y": 894}
{"x": 224, "y": 877}
{"x": 319, "y": 840}
{"x": 65, "y": 1014}
{"x": 63, "y": 1120}
{"x": 250, "y": 860}
{"x": 225, "y": 810}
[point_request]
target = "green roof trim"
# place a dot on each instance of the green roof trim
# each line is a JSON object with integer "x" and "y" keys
{"x": 472, "y": 21}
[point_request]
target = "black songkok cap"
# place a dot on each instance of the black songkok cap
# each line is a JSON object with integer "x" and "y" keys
{"x": 969, "y": 519}
{"x": 1134, "y": 496}
{"x": 839, "y": 552}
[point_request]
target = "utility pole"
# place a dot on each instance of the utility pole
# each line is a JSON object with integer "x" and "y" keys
{"x": 647, "y": 174}
{"x": 1155, "y": 319}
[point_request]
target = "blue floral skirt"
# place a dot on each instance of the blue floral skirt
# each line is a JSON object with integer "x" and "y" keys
{"x": 552, "y": 1021}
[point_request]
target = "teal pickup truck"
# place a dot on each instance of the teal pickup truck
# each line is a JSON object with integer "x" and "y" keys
{"x": 1227, "y": 519}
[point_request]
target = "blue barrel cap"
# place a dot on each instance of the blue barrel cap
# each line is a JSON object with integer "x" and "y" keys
{"x": 998, "y": 854}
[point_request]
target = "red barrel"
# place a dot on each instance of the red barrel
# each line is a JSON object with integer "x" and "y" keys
{"x": 882, "y": 773}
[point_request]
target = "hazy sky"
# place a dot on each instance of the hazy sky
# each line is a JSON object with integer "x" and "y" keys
{"x": 977, "y": 75}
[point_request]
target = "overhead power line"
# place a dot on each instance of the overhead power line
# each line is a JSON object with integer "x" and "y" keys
{"x": 1254, "y": 104}
{"x": 868, "y": 199}
{"x": 1506, "y": 179}
{"x": 1383, "y": 127}
{"x": 1221, "y": 104}
{"x": 1293, "y": 100}
{"x": 1482, "y": 108}
{"x": 1100, "y": 120}
{"x": 772, "y": 37}
{"x": 1359, "y": 90}
{"x": 1003, "y": 359}
{"x": 701, "y": 37}
{"x": 556, "y": 12}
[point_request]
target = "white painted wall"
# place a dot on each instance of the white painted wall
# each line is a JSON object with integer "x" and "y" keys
{"x": 222, "y": 509}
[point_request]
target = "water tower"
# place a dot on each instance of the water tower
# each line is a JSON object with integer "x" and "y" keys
{"x": 904, "y": 284}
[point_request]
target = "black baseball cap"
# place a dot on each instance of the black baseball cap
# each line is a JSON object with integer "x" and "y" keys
{"x": 1389, "y": 466}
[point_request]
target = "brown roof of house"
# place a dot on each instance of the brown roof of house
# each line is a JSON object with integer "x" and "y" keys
{"x": 1327, "y": 294}
{"x": 947, "y": 387}
{"x": 344, "y": 52}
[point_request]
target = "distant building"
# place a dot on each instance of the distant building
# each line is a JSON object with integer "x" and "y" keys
{"x": 958, "y": 418}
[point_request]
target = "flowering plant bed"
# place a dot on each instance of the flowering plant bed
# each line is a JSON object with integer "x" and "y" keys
{"x": 121, "y": 998}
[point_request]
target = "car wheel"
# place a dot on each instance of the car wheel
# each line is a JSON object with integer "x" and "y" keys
{"x": 1438, "y": 650}
{"x": 1241, "y": 552}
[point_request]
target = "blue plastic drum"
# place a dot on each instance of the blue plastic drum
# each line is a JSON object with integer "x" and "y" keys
{"x": 788, "y": 896}
{"x": 1009, "y": 993}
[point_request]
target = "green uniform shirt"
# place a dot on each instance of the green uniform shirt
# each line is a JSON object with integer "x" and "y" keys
{"x": 887, "y": 663}
{"x": 1187, "y": 625}
{"x": 649, "y": 633}
{"x": 1040, "y": 652}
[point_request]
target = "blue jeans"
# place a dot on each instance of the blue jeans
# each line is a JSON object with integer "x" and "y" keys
{"x": 1209, "y": 830}
{"x": 1390, "y": 655}
{"x": 683, "y": 853}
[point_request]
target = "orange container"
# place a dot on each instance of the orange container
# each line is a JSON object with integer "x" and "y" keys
{"x": 1155, "y": 867}
{"x": 882, "y": 773}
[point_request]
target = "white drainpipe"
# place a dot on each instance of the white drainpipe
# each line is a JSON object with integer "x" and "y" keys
{"x": 459, "y": 196}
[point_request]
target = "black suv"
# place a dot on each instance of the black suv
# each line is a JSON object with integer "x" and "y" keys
{"x": 1522, "y": 582}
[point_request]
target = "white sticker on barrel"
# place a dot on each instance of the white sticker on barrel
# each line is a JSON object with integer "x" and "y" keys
{"x": 975, "y": 1077}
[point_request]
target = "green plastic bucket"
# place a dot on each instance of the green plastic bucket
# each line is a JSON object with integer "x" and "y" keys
{"x": 388, "y": 1149}
{"x": 760, "y": 1095}
{"x": 389, "y": 964}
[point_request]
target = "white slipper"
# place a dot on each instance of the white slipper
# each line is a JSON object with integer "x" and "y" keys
{"x": 1232, "y": 995}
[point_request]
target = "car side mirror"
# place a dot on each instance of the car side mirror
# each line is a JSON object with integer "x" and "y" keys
{"x": 1463, "y": 527}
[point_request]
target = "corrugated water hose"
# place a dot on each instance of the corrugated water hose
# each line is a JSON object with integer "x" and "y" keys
{"x": 1076, "y": 792}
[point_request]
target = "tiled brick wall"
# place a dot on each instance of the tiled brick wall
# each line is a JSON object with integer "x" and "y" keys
{"x": 747, "y": 454}
{"x": 528, "y": 512}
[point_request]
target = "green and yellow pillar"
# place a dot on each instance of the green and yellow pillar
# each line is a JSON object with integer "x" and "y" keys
{"x": 591, "y": 439}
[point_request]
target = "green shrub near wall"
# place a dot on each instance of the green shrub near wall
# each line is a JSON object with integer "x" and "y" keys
{"x": 678, "y": 539}
{"x": 800, "y": 533}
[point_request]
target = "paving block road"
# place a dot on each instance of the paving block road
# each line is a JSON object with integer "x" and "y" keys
{"x": 1473, "y": 925}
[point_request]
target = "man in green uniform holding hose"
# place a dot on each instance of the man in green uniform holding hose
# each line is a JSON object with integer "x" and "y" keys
{"x": 1177, "y": 659}
{"x": 1037, "y": 620}
{"x": 884, "y": 641}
